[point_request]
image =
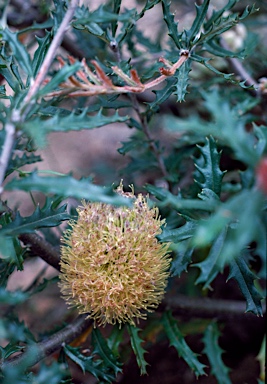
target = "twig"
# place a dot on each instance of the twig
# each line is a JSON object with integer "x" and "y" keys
{"x": 8, "y": 145}
{"x": 38, "y": 351}
{"x": 50, "y": 56}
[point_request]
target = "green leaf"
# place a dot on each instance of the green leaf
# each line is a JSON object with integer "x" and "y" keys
{"x": 19, "y": 51}
{"x": 9, "y": 70}
{"x": 102, "y": 349}
{"x": 214, "y": 353}
{"x": 139, "y": 351}
{"x": 171, "y": 24}
{"x": 241, "y": 209}
{"x": 6, "y": 268}
{"x": 176, "y": 235}
{"x": 240, "y": 271}
{"x": 182, "y": 81}
{"x": 116, "y": 10}
{"x": 88, "y": 364}
{"x": 178, "y": 342}
{"x": 73, "y": 122}
{"x": 40, "y": 218}
{"x": 39, "y": 54}
{"x": 115, "y": 339}
{"x": 9, "y": 349}
{"x": 18, "y": 162}
{"x": 183, "y": 254}
{"x": 11, "y": 251}
{"x": 68, "y": 186}
{"x": 62, "y": 75}
{"x": 163, "y": 94}
{"x": 208, "y": 165}
{"x": 213, "y": 264}
{"x": 178, "y": 203}
{"x": 197, "y": 24}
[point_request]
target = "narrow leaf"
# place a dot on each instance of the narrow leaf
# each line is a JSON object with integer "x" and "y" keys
{"x": 214, "y": 353}
{"x": 240, "y": 271}
{"x": 62, "y": 75}
{"x": 87, "y": 363}
{"x": 39, "y": 54}
{"x": 178, "y": 342}
{"x": 19, "y": 51}
{"x": 208, "y": 166}
{"x": 39, "y": 219}
{"x": 101, "y": 348}
{"x": 198, "y": 21}
{"x": 139, "y": 351}
{"x": 214, "y": 263}
{"x": 71, "y": 122}
{"x": 68, "y": 186}
{"x": 182, "y": 81}
{"x": 171, "y": 24}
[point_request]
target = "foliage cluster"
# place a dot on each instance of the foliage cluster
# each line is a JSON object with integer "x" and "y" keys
{"x": 198, "y": 146}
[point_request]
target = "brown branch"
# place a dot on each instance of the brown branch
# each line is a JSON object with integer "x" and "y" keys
{"x": 36, "y": 352}
{"x": 41, "y": 248}
{"x": 204, "y": 307}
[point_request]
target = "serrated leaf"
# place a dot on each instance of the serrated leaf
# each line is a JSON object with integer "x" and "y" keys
{"x": 163, "y": 94}
{"x": 71, "y": 122}
{"x": 68, "y": 186}
{"x": 101, "y": 348}
{"x": 183, "y": 254}
{"x": 214, "y": 353}
{"x": 227, "y": 76}
{"x": 182, "y": 81}
{"x": 214, "y": 263}
{"x": 18, "y": 162}
{"x": 19, "y": 51}
{"x": 241, "y": 217}
{"x": 176, "y": 235}
{"x": 39, "y": 54}
{"x": 139, "y": 351}
{"x": 198, "y": 22}
{"x": 87, "y": 364}
{"x": 8, "y": 251}
{"x": 9, "y": 349}
{"x": 216, "y": 14}
{"x": 40, "y": 218}
{"x": 240, "y": 271}
{"x": 178, "y": 342}
{"x": 6, "y": 268}
{"x": 177, "y": 202}
{"x": 171, "y": 24}
{"x": 208, "y": 165}
{"x": 9, "y": 70}
{"x": 213, "y": 47}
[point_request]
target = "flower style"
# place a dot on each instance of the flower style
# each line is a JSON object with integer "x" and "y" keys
{"x": 112, "y": 266}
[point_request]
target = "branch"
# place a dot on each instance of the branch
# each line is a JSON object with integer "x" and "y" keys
{"x": 36, "y": 352}
{"x": 8, "y": 145}
{"x": 204, "y": 307}
{"x": 41, "y": 248}
{"x": 16, "y": 114}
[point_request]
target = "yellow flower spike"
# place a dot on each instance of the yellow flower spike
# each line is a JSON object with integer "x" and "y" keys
{"x": 112, "y": 266}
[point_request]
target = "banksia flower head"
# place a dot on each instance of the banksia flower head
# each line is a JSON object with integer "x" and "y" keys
{"x": 112, "y": 266}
